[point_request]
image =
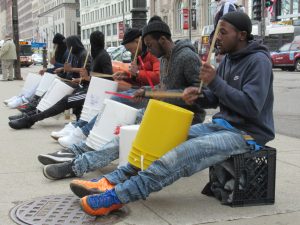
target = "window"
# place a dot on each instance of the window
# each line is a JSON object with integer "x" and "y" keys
{"x": 103, "y": 29}
{"x": 284, "y": 48}
{"x": 295, "y": 47}
{"x": 115, "y": 30}
{"x": 179, "y": 15}
{"x": 108, "y": 30}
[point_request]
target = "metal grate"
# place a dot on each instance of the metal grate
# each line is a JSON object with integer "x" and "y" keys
{"x": 60, "y": 210}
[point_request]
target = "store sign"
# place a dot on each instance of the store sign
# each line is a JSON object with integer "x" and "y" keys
{"x": 121, "y": 30}
{"x": 185, "y": 13}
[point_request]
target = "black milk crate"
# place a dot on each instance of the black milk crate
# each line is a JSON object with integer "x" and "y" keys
{"x": 258, "y": 169}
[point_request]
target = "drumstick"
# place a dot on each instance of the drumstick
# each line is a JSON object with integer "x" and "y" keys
{"x": 212, "y": 46}
{"x": 163, "y": 94}
{"x": 100, "y": 75}
{"x": 84, "y": 65}
{"x": 69, "y": 54}
{"x": 137, "y": 50}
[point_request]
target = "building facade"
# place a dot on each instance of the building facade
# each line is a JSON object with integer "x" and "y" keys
{"x": 5, "y": 18}
{"x": 25, "y": 19}
{"x": 57, "y": 16}
{"x": 107, "y": 16}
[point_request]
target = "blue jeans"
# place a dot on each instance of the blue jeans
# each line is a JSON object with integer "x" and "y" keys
{"x": 209, "y": 144}
{"x": 87, "y": 159}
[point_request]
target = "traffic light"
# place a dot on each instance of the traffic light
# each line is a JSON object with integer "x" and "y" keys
{"x": 268, "y": 3}
{"x": 256, "y": 10}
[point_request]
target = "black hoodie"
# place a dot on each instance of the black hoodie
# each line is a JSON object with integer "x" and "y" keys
{"x": 243, "y": 90}
{"x": 78, "y": 55}
{"x": 101, "y": 59}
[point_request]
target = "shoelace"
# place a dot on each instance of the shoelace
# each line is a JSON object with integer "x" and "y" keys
{"x": 104, "y": 200}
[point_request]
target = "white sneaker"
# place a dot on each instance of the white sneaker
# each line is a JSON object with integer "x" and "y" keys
{"x": 9, "y": 100}
{"x": 73, "y": 138}
{"x": 63, "y": 132}
{"x": 20, "y": 100}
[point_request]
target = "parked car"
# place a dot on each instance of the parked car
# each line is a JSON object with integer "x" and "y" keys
{"x": 121, "y": 54}
{"x": 287, "y": 57}
{"x": 37, "y": 59}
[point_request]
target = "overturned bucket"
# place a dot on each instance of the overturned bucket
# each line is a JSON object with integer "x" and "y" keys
{"x": 31, "y": 83}
{"x": 108, "y": 123}
{"x": 95, "y": 97}
{"x": 164, "y": 126}
{"x": 127, "y": 136}
{"x": 45, "y": 83}
{"x": 56, "y": 92}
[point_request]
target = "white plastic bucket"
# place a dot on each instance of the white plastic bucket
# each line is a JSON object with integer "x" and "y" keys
{"x": 114, "y": 115}
{"x": 45, "y": 83}
{"x": 127, "y": 136}
{"x": 31, "y": 83}
{"x": 95, "y": 97}
{"x": 55, "y": 93}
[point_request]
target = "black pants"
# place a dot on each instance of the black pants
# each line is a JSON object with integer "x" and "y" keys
{"x": 75, "y": 101}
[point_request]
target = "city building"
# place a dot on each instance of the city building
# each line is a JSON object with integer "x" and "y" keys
{"x": 5, "y": 18}
{"x": 57, "y": 16}
{"x": 108, "y": 16}
{"x": 25, "y": 19}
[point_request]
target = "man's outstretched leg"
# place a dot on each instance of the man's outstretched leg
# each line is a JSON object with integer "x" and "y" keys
{"x": 188, "y": 158}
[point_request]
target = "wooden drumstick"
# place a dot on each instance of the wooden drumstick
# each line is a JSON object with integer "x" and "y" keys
{"x": 212, "y": 46}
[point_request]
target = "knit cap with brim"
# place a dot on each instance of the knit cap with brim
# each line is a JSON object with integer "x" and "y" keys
{"x": 154, "y": 25}
{"x": 130, "y": 35}
{"x": 240, "y": 21}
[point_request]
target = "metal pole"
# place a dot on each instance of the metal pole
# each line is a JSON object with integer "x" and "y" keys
{"x": 190, "y": 20}
{"x": 263, "y": 20}
{"x": 16, "y": 39}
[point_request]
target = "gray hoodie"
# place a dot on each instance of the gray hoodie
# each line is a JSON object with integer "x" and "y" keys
{"x": 243, "y": 90}
{"x": 180, "y": 72}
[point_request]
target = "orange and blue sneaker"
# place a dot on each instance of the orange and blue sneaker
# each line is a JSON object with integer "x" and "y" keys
{"x": 83, "y": 188}
{"x": 101, "y": 204}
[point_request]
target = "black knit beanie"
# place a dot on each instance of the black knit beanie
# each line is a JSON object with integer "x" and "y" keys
{"x": 130, "y": 35}
{"x": 58, "y": 38}
{"x": 240, "y": 21}
{"x": 156, "y": 24}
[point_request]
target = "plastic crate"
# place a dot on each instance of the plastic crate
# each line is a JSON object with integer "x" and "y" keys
{"x": 258, "y": 169}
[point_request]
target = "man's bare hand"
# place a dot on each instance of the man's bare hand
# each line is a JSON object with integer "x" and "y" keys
{"x": 190, "y": 94}
{"x": 67, "y": 67}
{"x": 133, "y": 69}
{"x": 139, "y": 95}
{"x": 207, "y": 73}
{"x": 84, "y": 74}
{"x": 120, "y": 75}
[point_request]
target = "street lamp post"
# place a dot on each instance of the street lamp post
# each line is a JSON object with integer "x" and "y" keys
{"x": 15, "y": 20}
{"x": 139, "y": 13}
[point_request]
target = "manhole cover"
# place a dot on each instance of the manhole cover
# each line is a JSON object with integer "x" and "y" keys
{"x": 60, "y": 210}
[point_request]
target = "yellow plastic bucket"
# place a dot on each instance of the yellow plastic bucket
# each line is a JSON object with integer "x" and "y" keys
{"x": 164, "y": 126}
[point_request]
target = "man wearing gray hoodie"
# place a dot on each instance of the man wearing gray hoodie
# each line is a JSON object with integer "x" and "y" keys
{"x": 243, "y": 89}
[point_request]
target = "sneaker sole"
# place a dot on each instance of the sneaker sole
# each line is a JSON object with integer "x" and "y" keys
{"x": 81, "y": 191}
{"x": 55, "y": 178}
{"x": 46, "y": 159}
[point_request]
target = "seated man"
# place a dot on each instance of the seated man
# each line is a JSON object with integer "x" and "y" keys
{"x": 243, "y": 89}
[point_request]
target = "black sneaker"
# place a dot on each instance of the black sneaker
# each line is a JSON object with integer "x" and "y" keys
{"x": 56, "y": 157}
{"x": 59, "y": 171}
{"x": 24, "y": 122}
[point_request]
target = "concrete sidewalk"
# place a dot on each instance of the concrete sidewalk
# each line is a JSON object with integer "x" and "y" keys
{"x": 179, "y": 204}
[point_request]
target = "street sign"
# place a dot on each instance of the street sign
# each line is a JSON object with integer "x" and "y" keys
{"x": 38, "y": 44}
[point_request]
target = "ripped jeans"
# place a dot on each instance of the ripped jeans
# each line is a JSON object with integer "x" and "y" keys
{"x": 208, "y": 144}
